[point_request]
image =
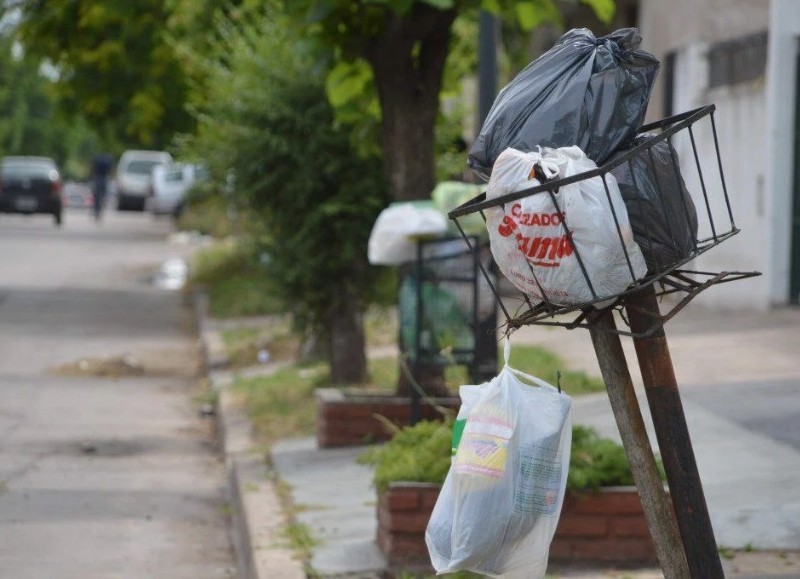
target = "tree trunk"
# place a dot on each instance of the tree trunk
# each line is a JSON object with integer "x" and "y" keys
{"x": 408, "y": 63}
{"x": 347, "y": 357}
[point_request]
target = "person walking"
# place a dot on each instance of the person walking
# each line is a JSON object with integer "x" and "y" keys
{"x": 101, "y": 169}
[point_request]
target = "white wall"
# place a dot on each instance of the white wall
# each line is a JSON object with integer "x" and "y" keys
{"x": 781, "y": 104}
{"x": 756, "y": 127}
{"x": 668, "y": 25}
{"x": 740, "y": 120}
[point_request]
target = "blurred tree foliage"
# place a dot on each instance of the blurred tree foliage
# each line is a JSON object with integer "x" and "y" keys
{"x": 31, "y": 123}
{"x": 397, "y": 50}
{"x": 115, "y": 65}
{"x": 387, "y": 73}
{"x": 265, "y": 119}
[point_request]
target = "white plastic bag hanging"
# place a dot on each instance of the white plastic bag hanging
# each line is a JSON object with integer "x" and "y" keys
{"x": 530, "y": 243}
{"x": 499, "y": 505}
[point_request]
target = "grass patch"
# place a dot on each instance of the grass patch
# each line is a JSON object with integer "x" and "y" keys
{"x": 207, "y": 217}
{"x": 381, "y": 326}
{"x": 538, "y": 362}
{"x": 383, "y": 373}
{"x": 282, "y": 405}
{"x": 236, "y": 283}
{"x": 300, "y": 539}
{"x": 243, "y": 343}
{"x": 544, "y": 364}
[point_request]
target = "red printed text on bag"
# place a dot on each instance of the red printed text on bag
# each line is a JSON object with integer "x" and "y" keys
{"x": 540, "y": 250}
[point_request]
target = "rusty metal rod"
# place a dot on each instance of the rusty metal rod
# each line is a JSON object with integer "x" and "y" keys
{"x": 657, "y": 511}
{"x": 672, "y": 433}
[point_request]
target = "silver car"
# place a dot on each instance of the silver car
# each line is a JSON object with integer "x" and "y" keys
{"x": 169, "y": 184}
{"x": 134, "y": 172}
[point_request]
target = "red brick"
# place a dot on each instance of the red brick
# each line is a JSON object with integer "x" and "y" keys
{"x": 630, "y": 526}
{"x": 357, "y": 416}
{"x": 347, "y": 412}
{"x": 561, "y": 549}
{"x": 408, "y": 522}
{"x": 615, "y": 502}
{"x": 407, "y": 550}
{"x": 384, "y": 539}
{"x": 620, "y": 551}
{"x": 384, "y": 516}
{"x": 575, "y": 525}
{"x": 402, "y": 499}
{"x": 428, "y": 498}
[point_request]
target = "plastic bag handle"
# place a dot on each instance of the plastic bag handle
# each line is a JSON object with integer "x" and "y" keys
{"x": 519, "y": 373}
{"x": 543, "y": 169}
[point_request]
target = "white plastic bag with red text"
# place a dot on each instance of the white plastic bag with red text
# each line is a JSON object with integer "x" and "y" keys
{"x": 530, "y": 243}
{"x": 499, "y": 505}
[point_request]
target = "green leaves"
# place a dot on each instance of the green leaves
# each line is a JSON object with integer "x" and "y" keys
{"x": 117, "y": 66}
{"x": 419, "y": 453}
{"x": 266, "y": 118}
{"x": 603, "y": 9}
{"x": 346, "y": 81}
{"x": 440, "y": 4}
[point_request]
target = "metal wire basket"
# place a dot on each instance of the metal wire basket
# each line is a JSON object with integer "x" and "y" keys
{"x": 656, "y": 153}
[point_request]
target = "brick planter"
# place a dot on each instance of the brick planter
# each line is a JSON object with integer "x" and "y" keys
{"x": 346, "y": 417}
{"x": 403, "y": 514}
{"x": 607, "y": 527}
{"x": 603, "y": 527}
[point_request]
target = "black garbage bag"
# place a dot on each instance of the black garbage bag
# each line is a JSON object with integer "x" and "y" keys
{"x": 584, "y": 91}
{"x": 660, "y": 208}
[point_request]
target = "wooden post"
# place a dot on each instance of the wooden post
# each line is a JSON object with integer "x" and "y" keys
{"x": 657, "y": 510}
{"x": 672, "y": 433}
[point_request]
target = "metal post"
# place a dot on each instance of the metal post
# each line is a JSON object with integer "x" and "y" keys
{"x": 416, "y": 364}
{"x": 487, "y": 64}
{"x": 657, "y": 510}
{"x": 672, "y": 433}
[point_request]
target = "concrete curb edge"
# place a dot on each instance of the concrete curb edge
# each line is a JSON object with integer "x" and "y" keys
{"x": 257, "y": 517}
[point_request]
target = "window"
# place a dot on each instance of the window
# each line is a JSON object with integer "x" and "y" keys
{"x": 738, "y": 60}
{"x": 669, "y": 83}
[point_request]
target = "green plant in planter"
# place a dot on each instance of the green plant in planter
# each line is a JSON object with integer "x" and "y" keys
{"x": 421, "y": 453}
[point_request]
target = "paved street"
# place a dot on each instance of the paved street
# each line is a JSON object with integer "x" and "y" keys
{"x": 106, "y": 469}
{"x": 739, "y": 375}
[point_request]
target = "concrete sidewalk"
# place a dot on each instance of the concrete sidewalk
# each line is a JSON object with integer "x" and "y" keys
{"x": 740, "y": 380}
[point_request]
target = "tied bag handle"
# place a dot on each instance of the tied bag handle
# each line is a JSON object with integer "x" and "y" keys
{"x": 523, "y": 375}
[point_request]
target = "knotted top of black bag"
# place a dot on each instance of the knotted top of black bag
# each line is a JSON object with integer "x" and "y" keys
{"x": 585, "y": 91}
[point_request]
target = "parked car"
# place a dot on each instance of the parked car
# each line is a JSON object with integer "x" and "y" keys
{"x": 134, "y": 171}
{"x": 168, "y": 186}
{"x": 30, "y": 185}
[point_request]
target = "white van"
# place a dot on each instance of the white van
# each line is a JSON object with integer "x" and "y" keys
{"x": 133, "y": 177}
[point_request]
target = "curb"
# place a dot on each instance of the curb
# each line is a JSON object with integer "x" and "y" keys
{"x": 257, "y": 517}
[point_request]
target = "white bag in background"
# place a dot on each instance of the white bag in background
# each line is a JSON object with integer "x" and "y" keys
{"x": 530, "y": 244}
{"x": 392, "y": 239}
{"x": 499, "y": 505}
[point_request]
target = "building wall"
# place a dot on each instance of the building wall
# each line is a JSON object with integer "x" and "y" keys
{"x": 781, "y": 106}
{"x": 668, "y": 25}
{"x": 755, "y": 123}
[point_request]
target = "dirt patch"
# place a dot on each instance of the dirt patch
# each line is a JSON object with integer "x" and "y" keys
{"x": 172, "y": 362}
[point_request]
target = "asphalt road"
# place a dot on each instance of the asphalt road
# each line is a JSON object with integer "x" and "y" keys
{"x": 106, "y": 468}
